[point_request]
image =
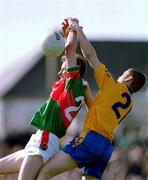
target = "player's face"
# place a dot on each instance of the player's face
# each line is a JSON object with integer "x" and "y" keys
{"x": 123, "y": 77}
{"x": 62, "y": 72}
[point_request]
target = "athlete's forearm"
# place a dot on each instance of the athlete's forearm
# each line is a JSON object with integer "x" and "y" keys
{"x": 71, "y": 45}
{"x": 87, "y": 49}
{"x": 71, "y": 41}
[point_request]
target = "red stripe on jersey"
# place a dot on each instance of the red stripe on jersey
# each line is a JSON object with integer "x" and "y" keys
{"x": 44, "y": 140}
{"x": 65, "y": 101}
{"x": 57, "y": 89}
{"x": 73, "y": 75}
{"x": 64, "y": 98}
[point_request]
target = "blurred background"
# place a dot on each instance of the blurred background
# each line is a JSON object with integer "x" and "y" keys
{"x": 119, "y": 32}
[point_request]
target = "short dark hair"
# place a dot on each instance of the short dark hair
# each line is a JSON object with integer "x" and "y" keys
{"x": 82, "y": 63}
{"x": 138, "y": 79}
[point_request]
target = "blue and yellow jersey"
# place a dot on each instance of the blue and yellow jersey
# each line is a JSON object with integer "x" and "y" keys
{"x": 112, "y": 103}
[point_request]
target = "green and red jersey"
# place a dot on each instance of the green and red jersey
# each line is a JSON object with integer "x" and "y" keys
{"x": 65, "y": 100}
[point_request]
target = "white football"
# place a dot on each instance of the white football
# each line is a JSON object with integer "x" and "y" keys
{"x": 53, "y": 44}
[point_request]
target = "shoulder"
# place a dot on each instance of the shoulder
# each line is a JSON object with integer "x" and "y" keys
{"x": 100, "y": 67}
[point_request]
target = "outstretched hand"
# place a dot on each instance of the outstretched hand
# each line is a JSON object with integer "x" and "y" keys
{"x": 64, "y": 27}
{"x": 69, "y": 24}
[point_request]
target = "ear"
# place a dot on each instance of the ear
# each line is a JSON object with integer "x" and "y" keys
{"x": 128, "y": 78}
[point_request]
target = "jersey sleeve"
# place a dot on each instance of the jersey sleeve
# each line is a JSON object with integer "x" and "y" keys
{"x": 103, "y": 77}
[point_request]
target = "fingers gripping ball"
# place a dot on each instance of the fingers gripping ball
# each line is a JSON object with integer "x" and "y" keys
{"x": 53, "y": 44}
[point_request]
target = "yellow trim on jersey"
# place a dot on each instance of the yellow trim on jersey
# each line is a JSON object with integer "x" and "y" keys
{"x": 79, "y": 139}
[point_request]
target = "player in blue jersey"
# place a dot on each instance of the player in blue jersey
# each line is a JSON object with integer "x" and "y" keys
{"x": 93, "y": 148}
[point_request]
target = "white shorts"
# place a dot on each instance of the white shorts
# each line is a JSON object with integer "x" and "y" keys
{"x": 33, "y": 146}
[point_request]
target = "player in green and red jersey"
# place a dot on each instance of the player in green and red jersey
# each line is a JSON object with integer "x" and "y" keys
{"x": 53, "y": 118}
{"x": 66, "y": 98}
{"x": 92, "y": 149}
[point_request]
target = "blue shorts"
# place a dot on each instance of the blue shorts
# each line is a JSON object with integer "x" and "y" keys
{"x": 91, "y": 151}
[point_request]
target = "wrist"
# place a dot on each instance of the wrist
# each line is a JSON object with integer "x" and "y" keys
{"x": 71, "y": 30}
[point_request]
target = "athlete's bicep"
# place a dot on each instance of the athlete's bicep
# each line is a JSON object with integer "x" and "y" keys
{"x": 70, "y": 51}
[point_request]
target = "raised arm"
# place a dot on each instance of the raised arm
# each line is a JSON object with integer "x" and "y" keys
{"x": 70, "y": 45}
{"x": 86, "y": 47}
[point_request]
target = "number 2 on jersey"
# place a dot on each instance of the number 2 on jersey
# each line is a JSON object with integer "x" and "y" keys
{"x": 118, "y": 105}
